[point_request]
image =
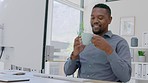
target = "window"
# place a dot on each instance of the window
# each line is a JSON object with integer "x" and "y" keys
{"x": 63, "y": 25}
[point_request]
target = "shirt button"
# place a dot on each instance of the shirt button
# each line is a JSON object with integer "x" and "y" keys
{"x": 87, "y": 75}
{"x": 89, "y": 65}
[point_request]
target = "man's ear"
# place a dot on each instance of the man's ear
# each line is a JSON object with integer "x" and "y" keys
{"x": 110, "y": 19}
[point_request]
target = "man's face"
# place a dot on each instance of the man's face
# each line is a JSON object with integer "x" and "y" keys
{"x": 100, "y": 19}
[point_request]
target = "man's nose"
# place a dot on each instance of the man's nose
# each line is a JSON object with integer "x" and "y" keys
{"x": 96, "y": 20}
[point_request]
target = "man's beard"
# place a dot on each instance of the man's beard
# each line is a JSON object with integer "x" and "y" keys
{"x": 99, "y": 32}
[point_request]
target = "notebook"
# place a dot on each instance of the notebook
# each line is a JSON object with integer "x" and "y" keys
{"x": 12, "y": 78}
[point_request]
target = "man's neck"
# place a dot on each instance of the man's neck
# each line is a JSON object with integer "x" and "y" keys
{"x": 102, "y": 34}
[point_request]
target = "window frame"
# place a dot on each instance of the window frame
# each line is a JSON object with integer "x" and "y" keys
{"x": 48, "y": 22}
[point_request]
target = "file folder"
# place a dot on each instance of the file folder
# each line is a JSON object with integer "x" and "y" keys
{"x": 139, "y": 70}
{"x": 146, "y": 71}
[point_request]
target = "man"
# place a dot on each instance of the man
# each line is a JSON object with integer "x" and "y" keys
{"x": 107, "y": 57}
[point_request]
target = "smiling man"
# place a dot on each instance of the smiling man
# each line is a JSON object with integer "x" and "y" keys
{"x": 107, "y": 57}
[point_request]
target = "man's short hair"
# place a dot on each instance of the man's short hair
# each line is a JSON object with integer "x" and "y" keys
{"x": 101, "y": 5}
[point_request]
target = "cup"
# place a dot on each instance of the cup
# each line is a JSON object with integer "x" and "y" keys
{"x": 86, "y": 38}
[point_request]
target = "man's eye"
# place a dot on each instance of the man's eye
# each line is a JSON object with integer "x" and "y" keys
{"x": 100, "y": 18}
{"x": 92, "y": 18}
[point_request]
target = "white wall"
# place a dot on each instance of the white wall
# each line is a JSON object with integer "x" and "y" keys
{"x": 135, "y": 8}
{"x": 24, "y": 27}
{"x": 123, "y": 8}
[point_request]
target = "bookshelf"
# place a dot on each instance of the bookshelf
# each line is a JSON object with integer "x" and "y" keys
{"x": 139, "y": 69}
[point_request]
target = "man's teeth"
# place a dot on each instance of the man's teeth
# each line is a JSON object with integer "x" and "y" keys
{"x": 96, "y": 26}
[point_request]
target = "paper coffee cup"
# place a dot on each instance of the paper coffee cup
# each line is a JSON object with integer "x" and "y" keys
{"x": 86, "y": 38}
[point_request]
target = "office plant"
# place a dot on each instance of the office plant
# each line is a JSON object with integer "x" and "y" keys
{"x": 141, "y": 53}
{"x": 141, "y": 56}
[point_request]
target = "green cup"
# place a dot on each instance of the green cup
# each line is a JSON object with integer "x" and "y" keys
{"x": 86, "y": 38}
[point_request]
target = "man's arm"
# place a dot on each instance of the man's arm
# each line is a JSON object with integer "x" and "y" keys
{"x": 73, "y": 63}
{"x": 120, "y": 61}
{"x": 71, "y": 66}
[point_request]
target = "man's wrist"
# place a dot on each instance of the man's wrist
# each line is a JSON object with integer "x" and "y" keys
{"x": 74, "y": 57}
{"x": 109, "y": 51}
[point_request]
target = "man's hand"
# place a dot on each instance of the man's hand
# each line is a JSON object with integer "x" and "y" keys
{"x": 78, "y": 47}
{"x": 102, "y": 44}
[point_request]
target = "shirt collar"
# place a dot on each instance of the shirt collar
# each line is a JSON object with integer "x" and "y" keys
{"x": 108, "y": 34}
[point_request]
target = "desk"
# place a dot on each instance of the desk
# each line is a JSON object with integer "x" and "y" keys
{"x": 42, "y": 78}
{"x": 62, "y": 81}
{"x": 46, "y": 80}
{"x": 1, "y": 65}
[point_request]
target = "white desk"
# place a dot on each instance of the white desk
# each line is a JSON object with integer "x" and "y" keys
{"x": 42, "y": 78}
{"x": 1, "y": 66}
{"x": 46, "y": 80}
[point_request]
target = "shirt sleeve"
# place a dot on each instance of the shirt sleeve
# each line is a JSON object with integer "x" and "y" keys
{"x": 71, "y": 66}
{"x": 120, "y": 61}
